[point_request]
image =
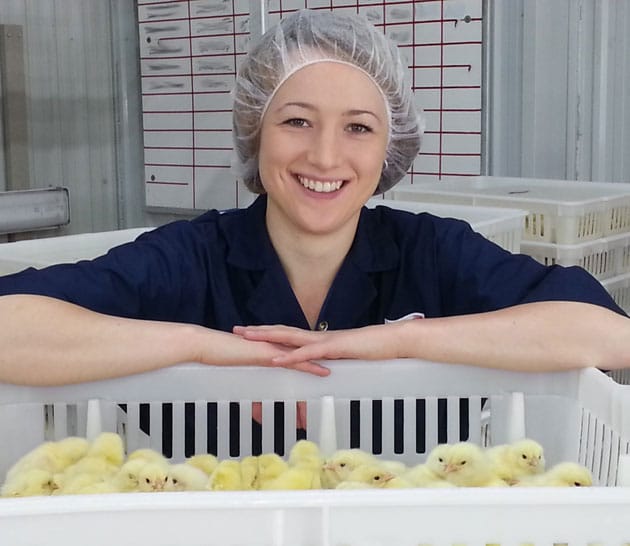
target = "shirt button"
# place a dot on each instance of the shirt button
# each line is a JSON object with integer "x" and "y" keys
{"x": 322, "y": 326}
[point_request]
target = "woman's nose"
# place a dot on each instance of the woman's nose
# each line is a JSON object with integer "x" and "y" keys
{"x": 325, "y": 149}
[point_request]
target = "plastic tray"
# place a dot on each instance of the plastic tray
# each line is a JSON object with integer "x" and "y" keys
{"x": 577, "y": 415}
{"x": 40, "y": 253}
{"x": 501, "y": 225}
{"x": 603, "y": 258}
{"x": 560, "y": 211}
{"x": 619, "y": 289}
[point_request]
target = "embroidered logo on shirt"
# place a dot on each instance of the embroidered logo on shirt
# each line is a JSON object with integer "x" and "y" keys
{"x": 410, "y": 316}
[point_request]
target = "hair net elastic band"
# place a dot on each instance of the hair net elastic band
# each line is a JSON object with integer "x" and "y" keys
{"x": 330, "y": 60}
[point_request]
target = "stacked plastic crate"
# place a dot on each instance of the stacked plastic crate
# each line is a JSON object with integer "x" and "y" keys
{"x": 502, "y": 226}
{"x": 567, "y": 222}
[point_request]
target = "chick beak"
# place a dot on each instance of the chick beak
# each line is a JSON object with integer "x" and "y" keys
{"x": 450, "y": 468}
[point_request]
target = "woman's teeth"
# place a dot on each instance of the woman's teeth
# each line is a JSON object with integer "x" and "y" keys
{"x": 318, "y": 186}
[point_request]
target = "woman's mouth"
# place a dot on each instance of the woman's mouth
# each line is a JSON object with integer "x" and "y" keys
{"x": 318, "y": 186}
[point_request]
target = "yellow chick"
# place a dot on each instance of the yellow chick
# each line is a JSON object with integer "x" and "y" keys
{"x": 294, "y": 478}
{"x": 340, "y": 464}
{"x": 463, "y": 464}
{"x": 127, "y": 478}
{"x": 110, "y": 447}
{"x": 270, "y": 466}
{"x": 80, "y": 484}
{"x": 226, "y": 477}
{"x": 422, "y": 476}
{"x": 148, "y": 455}
{"x": 565, "y": 474}
{"x": 53, "y": 457}
{"x": 204, "y": 462}
{"x": 513, "y": 461}
{"x": 184, "y": 477}
{"x": 373, "y": 476}
{"x": 249, "y": 472}
{"x": 306, "y": 454}
{"x": 306, "y": 457}
{"x": 395, "y": 467}
{"x": 152, "y": 477}
{"x": 29, "y": 483}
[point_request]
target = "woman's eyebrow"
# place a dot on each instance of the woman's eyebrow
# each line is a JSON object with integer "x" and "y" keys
{"x": 361, "y": 112}
{"x": 347, "y": 113}
{"x": 305, "y": 105}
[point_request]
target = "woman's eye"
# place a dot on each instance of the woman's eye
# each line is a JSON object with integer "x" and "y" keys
{"x": 296, "y": 122}
{"x": 359, "y": 128}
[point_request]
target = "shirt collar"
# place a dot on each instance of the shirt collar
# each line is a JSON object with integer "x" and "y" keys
{"x": 374, "y": 247}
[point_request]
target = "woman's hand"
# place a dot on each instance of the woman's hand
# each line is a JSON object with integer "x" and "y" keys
{"x": 226, "y": 349}
{"x": 305, "y": 346}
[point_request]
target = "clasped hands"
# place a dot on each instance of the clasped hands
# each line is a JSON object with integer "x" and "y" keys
{"x": 302, "y": 348}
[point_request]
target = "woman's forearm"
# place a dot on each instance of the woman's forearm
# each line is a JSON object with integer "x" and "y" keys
{"x": 44, "y": 341}
{"x": 540, "y": 336}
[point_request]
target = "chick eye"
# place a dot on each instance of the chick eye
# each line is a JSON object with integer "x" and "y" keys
{"x": 342, "y": 465}
{"x": 524, "y": 456}
{"x": 440, "y": 459}
{"x": 577, "y": 484}
{"x": 147, "y": 480}
{"x": 376, "y": 478}
{"x": 174, "y": 481}
{"x": 462, "y": 463}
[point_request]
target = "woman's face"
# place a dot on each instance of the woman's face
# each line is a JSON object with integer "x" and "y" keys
{"x": 322, "y": 145}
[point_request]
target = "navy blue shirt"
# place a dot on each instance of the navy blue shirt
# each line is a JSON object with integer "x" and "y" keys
{"x": 220, "y": 270}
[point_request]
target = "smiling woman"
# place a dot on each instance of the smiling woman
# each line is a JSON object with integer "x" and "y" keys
{"x": 323, "y": 119}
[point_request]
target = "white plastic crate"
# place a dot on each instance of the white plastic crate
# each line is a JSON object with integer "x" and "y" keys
{"x": 560, "y": 211}
{"x": 501, "y": 225}
{"x": 578, "y": 415}
{"x": 40, "y": 253}
{"x": 603, "y": 258}
{"x": 619, "y": 289}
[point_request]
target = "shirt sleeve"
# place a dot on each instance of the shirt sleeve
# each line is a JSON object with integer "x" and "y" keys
{"x": 477, "y": 275}
{"x": 162, "y": 275}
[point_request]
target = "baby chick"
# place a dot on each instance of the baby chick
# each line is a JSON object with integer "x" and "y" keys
{"x": 306, "y": 458}
{"x": 127, "y": 478}
{"x": 422, "y": 476}
{"x": 340, "y": 464}
{"x": 28, "y": 483}
{"x": 395, "y": 467}
{"x": 184, "y": 477}
{"x": 152, "y": 477}
{"x": 511, "y": 462}
{"x": 226, "y": 477}
{"x": 204, "y": 462}
{"x": 373, "y": 476}
{"x": 565, "y": 474}
{"x": 463, "y": 464}
{"x": 53, "y": 457}
{"x": 108, "y": 446}
{"x": 249, "y": 472}
{"x": 306, "y": 454}
{"x": 148, "y": 455}
{"x": 270, "y": 466}
{"x": 295, "y": 478}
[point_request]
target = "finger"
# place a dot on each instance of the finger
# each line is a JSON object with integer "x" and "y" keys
{"x": 319, "y": 351}
{"x": 309, "y": 367}
{"x": 283, "y": 336}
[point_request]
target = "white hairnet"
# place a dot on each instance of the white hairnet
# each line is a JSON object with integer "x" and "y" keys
{"x": 305, "y": 37}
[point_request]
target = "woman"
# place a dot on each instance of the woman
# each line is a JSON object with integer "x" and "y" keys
{"x": 323, "y": 120}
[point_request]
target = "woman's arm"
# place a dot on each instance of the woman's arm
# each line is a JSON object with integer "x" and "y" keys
{"x": 45, "y": 341}
{"x": 542, "y": 336}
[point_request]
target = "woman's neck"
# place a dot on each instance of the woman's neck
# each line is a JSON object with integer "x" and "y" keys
{"x": 310, "y": 261}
